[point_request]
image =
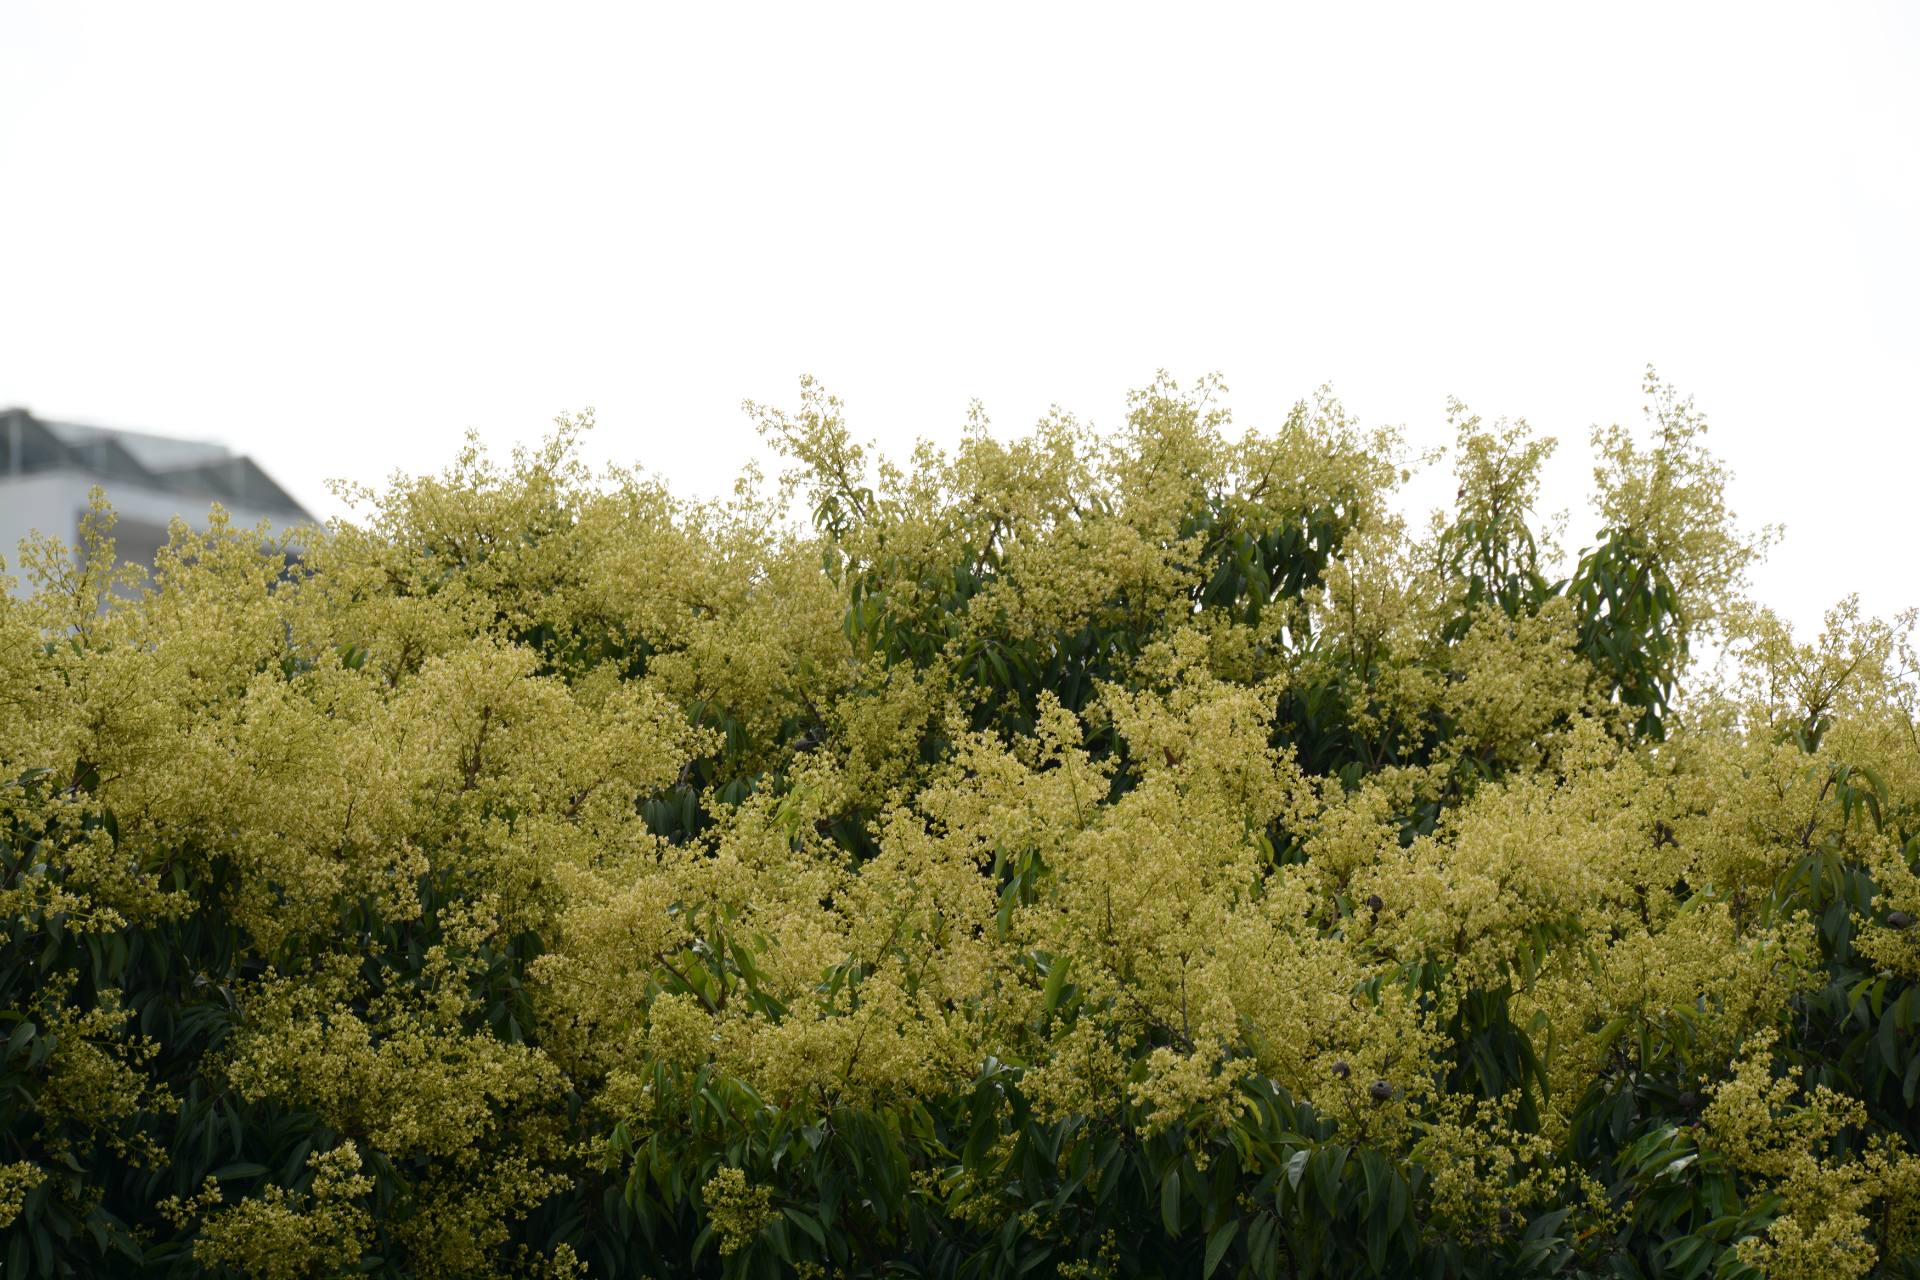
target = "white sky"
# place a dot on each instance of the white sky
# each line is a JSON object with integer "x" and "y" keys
{"x": 336, "y": 237}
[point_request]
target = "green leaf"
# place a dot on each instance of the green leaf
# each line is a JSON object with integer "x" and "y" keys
{"x": 1170, "y": 1200}
{"x": 1297, "y": 1166}
{"x": 1374, "y": 1170}
{"x": 1327, "y": 1167}
{"x": 22, "y": 1034}
{"x": 1259, "y": 1239}
{"x": 243, "y": 1170}
{"x": 1217, "y": 1244}
{"x": 1056, "y": 982}
{"x": 809, "y": 1224}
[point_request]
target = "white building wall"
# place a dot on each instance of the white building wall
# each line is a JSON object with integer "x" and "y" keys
{"x": 52, "y": 502}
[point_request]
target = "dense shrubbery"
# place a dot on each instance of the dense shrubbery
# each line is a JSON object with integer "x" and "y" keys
{"x": 1141, "y": 858}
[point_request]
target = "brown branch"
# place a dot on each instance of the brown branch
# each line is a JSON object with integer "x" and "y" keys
{"x": 473, "y": 761}
{"x": 1806, "y": 836}
{"x": 685, "y": 981}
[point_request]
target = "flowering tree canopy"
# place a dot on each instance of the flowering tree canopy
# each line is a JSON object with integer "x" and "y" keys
{"x": 1129, "y": 856}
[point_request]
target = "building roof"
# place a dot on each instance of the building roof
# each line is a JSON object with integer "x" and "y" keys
{"x": 195, "y": 470}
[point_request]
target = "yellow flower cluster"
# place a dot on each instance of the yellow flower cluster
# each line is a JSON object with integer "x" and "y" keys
{"x": 738, "y": 1211}
{"x": 1768, "y": 1128}
{"x": 280, "y": 1236}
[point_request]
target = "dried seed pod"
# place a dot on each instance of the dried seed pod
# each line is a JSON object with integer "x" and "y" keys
{"x": 1341, "y": 1069}
{"x": 1380, "y": 1091}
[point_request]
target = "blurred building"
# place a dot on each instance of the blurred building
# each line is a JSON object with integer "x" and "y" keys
{"x": 47, "y": 468}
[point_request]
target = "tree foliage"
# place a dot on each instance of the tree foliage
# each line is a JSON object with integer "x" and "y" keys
{"x": 1079, "y": 857}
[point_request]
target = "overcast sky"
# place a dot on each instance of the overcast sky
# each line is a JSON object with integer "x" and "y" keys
{"x": 336, "y": 237}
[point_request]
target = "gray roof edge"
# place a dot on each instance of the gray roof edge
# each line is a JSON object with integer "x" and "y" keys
{"x": 192, "y": 469}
